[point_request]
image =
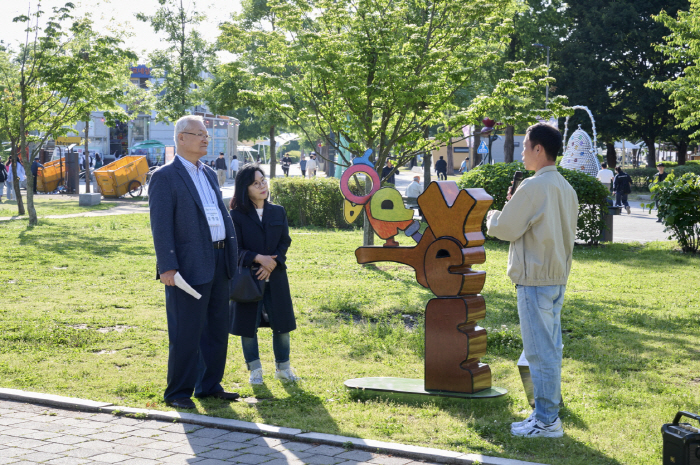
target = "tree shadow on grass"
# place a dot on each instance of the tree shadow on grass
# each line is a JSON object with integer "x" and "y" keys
{"x": 64, "y": 238}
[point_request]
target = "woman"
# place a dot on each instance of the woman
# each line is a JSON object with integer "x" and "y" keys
{"x": 263, "y": 238}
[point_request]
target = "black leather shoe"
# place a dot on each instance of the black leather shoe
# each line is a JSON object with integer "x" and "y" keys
{"x": 184, "y": 403}
{"x": 223, "y": 395}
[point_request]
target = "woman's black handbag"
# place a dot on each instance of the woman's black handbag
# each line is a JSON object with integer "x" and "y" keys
{"x": 245, "y": 287}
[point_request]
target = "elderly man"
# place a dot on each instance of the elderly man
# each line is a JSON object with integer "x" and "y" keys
{"x": 539, "y": 221}
{"x": 193, "y": 236}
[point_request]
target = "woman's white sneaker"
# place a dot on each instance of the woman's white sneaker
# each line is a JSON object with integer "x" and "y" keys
{"x": 537, "y": 429}
{"x": 287, "y": 375}
{"x": 525, "y": 422}
{"x": 256, "y": 376}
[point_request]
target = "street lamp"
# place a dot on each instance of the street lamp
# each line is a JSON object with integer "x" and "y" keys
{"x": 546, "y": 101}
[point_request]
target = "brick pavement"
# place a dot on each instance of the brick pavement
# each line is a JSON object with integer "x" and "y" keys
{"x": 31, "y": 434}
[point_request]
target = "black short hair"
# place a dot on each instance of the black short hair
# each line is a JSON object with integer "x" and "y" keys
{"x": 618, "y": 169}
{"x": 604, "y": 165}
{"x": 244, "y": 178}
{"x": 548, "y": 137}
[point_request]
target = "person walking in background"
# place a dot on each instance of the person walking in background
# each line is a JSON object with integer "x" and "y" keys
{"x": 463, "y": 166}
{"x": 35, "y": 170}
{"x": 311, "y": 165}
{"x": 286, "y": 163}
{"x": 659, "y": 177}
{"x": 388, "y": 168}
{"x": 194, "y": 239}
{"x": 220, "y": 165}
{"x": 3, "y": 178}
{"x": 302, "y": 165}
{"x": 605, "y": 176}
{"x": 441, "y": 169}
{"x": 414, "y": 189}
{"x": 8, "y": 181}
{"x": 539, "y": 221}
{"x": 622, "y": 185}
{"x": 263, "y": 237}
{"x": 21, "y": 175}
{"x": 234, "y": 167}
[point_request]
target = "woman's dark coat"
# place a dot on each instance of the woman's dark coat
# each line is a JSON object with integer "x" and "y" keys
{"x": 269, "y": 237}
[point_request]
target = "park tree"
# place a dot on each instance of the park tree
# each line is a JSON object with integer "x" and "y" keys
{"x": 681, "y": 48}
{"x": 180, "y": 67}
{"x": 538, "y": 28}
{"x": 234, "y": 83}
{"x": 63, "y": 71}
{"x": 368, "y": 74}
{"x": 606, "y": 60}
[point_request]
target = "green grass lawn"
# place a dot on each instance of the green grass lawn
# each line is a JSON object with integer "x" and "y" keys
{"x": 50, "y": 205}
{"x": 82, "y": 315}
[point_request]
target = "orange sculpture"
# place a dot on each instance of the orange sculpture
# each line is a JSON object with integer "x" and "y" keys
{"x": 442, "y": 259}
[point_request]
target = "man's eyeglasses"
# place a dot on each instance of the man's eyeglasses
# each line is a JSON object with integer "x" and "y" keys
{"x": 260, "y": 184}
{"x": 203, "y": 136}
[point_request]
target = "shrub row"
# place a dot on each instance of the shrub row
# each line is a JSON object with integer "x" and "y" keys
{"x": 642, "y": 177}
{"x": 592, "y": 195}
{"x": 678, "y": 200}
{"x": 311, "y": 202}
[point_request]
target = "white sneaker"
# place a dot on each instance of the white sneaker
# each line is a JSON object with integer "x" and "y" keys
{"x": 287, "y": 375}
{"x": 256, "y": 376}
{"x": 525, "y": 422}
{"x": 537, "y": 429}
{"x": 629, "y": 212}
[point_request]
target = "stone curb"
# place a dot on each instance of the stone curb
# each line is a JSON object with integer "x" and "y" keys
{"x": 369, "y": 445}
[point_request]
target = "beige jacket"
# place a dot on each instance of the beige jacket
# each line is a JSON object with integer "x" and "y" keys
{"x": 540, "y": 223}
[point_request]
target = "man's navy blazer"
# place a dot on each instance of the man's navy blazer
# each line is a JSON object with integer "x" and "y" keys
{"x": 181, "y": 234}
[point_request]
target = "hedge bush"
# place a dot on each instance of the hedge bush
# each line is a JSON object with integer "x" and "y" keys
{"x": 592, "y": 195}
{"x": 643, "y": 177}
{"x": 678, "y": 200}
{"x": 310, "y": 202}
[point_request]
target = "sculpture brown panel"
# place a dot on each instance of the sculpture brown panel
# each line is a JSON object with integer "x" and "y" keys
{"x": 454, "y": 345}
{"x": 456, "y": 213}
{"x": 445, "y": 255}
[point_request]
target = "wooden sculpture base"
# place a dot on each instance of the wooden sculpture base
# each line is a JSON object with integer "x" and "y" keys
{"x": 411, "y": 389}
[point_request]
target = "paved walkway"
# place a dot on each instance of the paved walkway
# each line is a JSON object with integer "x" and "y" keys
{"x": 35, "y": 429}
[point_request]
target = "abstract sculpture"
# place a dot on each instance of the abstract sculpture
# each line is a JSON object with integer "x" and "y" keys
{"x": 442, "y": 259}
{"x": 580, "y": 152}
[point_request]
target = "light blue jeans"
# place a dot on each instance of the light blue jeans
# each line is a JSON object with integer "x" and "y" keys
{"x": 539, "y": 308}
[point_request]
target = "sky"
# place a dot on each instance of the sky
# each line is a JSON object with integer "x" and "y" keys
{"x": 118, "y": 14}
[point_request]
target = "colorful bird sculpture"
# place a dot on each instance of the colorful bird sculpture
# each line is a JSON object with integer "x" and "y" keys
{"x": 384, "y": 206}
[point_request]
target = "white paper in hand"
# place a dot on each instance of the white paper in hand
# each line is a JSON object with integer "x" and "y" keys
{"x": 182, "y": 284}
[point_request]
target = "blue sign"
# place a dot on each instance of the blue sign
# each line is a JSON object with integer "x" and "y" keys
{"x": 483, "y": 148}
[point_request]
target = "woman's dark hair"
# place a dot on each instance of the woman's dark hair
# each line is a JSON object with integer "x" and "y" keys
{"x": 548, "y": 137}
{"x": 244, "y": 178}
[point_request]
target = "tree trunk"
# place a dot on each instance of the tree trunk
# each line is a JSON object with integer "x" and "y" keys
{"x": 427, "y": 162}
{"x": 651, "y": 152}
{"x": 611, "y": 155}
{"x": 15, "y": 182}
{"x": 509, "y": 144}
{"x": 273, "y": 158}
{"x": 682, "y": 152}
{"x": 450, "y": 159}
{"x": 476, "y": 157}
{"x": 367, "y": 231}
{"x": 87, "y": 156}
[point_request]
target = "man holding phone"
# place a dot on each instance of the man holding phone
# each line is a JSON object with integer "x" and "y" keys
{"x": 539, "y": 221}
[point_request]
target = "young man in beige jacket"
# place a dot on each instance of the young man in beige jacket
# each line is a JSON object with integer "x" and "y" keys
{"x": 539, "y": 221}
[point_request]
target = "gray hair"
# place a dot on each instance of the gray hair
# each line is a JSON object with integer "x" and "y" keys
{"x": 182, "y": 123}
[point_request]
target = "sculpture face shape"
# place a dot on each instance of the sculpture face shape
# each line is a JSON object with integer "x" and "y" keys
{"x": 442, "y": 260}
